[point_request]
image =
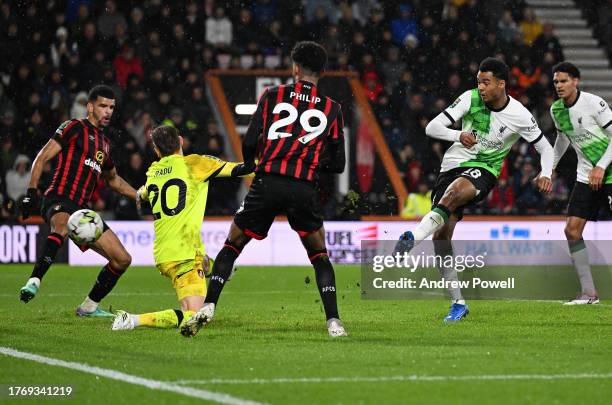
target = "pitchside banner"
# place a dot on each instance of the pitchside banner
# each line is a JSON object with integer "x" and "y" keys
{"x": 282, "y": 246}
{"x": 22, "y": 243}
{"x": 479, "y": 269}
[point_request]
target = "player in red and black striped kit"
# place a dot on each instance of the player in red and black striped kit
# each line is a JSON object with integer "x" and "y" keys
{"x": 80, "y": 151}
{"x": 299, "y": 125}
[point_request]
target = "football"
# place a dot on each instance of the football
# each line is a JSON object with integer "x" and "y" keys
{"x": 85, "y": 227}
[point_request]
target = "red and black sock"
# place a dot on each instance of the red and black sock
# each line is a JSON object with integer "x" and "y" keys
{"x": 53, "y": 243}
{"x": 106, "y": 281}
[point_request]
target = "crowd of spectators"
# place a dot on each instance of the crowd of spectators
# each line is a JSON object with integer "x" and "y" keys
{"x": 413, "y": 57}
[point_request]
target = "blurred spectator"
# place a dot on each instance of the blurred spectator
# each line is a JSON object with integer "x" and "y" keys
{"x": 501, "y": 198}
{"x": 405, "y": 26}
{"x": 18, "y": 178}
{"x": 126, "y": 64}
{"x": 418, "y": 203}
{"x": 60, "y": 49}
{"x": 527, "y": 198}
{"x": 109, "y": 19}
{"x": 219, "y": 29}
{"x": 548, "y": 42}
{"x": 507, "y": 28}
{"x": 530, "y": 26}
{"x": 79, "y": 106}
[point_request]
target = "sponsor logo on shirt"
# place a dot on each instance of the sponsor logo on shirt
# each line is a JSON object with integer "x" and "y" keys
{"x": 93, "y": 164}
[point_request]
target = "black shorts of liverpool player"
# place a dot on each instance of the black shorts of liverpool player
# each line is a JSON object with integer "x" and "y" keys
{"x": 53, "y": 204}
{"x": 482, "y": 179}
{"x": 271, "y": 195}
{"x": 584, "y": 202}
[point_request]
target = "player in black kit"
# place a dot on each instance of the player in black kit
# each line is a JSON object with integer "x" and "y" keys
{"x": 297, "y": 124}
{"x": 80, "y": 151}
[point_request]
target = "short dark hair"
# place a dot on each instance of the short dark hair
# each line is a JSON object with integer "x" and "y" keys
{"x": 310, "y": 55}
{"x": 166, "y": 139}
{"x": 497, "y": 67}
{"x": 567, "y": 67}
{"x": 101, "y": 90}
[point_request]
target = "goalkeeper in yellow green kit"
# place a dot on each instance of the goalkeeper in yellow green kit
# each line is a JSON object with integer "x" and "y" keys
{"x": 177, "y": 189}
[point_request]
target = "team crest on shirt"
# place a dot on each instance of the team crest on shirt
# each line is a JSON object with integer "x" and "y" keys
{"x": 502, "y": 129}
{"x": 99, "y": 156}
{"x": 580, "y": 121}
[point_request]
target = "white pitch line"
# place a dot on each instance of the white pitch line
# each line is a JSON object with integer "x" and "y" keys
{"x": 400, "y": 378}
{"x": 130, "y": 379}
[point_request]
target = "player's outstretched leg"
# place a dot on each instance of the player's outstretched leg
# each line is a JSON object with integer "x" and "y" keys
{"x": 167, "y": 319}
{"x": 580, "y": 258}
{"x": 188, "y": 282}
{"x": 54, "y": 242}
{"x": 459, "y": 193}
{"x": 119, "y": 260}
{"x": 222, "y": 271}
{"x": 326, "y": 280}
{"x": 431, "y": 222}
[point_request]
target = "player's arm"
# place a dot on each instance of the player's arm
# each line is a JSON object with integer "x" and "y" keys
{"x": 335, "y": 160}
{"x": 118, "y": 184}
{"x": 249, "y": 142}
{"x": 206, "y": 167}
{"x": 561, "y": 144}
{"x": 438, "y": 128}
{"x": 603, "y": 117}
{"x": 530, "y": 131}
{"x": 232, "y": 169}
{"x": 48, "y": 152}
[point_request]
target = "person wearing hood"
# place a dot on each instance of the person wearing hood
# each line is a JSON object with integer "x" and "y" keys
{"x": 18, "y": 177}
{"x": 79, "y": 106}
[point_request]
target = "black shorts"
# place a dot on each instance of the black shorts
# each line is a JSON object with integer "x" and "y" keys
{"x": 584, "y": 202}
{"x": 271, "y": 195}
{"x": 53, "y": 204}
{"x": 482, "y": 179}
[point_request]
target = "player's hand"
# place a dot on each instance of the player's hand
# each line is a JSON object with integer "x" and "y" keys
{"x": 141, "y": 195}
{"x": 596, "y": 177}
{"x": 29, "y": 202}
{"x": 467, "y": 139}
{"x": 544, "y": 184}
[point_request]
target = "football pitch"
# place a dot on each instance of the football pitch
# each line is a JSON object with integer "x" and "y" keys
{"x": 268, "y": 344}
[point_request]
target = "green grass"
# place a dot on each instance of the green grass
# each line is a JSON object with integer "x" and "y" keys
{"x": 270, "y": 325}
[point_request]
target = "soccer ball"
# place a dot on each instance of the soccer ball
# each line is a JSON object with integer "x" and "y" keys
{"x": 85, "y": 227}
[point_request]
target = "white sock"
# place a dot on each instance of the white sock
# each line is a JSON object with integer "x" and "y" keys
{"x": 428, "y": 225}
{"x": 135, "y": 320}
{"x": 89, "y": 305}
{"x": 450, "y": 274}
{"x": 34, "y": 280}
{"x": 580, "y": 258}
{"x": 460, "y": 302}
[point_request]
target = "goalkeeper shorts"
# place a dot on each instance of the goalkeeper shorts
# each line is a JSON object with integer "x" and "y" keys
{"x": 187, "y": 277}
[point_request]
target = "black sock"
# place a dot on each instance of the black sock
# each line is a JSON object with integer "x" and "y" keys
{"x": 326, "y": 281}
{"x": 221, "y": 272}
{"x": 179, "y": 315}
{"x": 53, "y": 243}
{"x": 107, "y": 278}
